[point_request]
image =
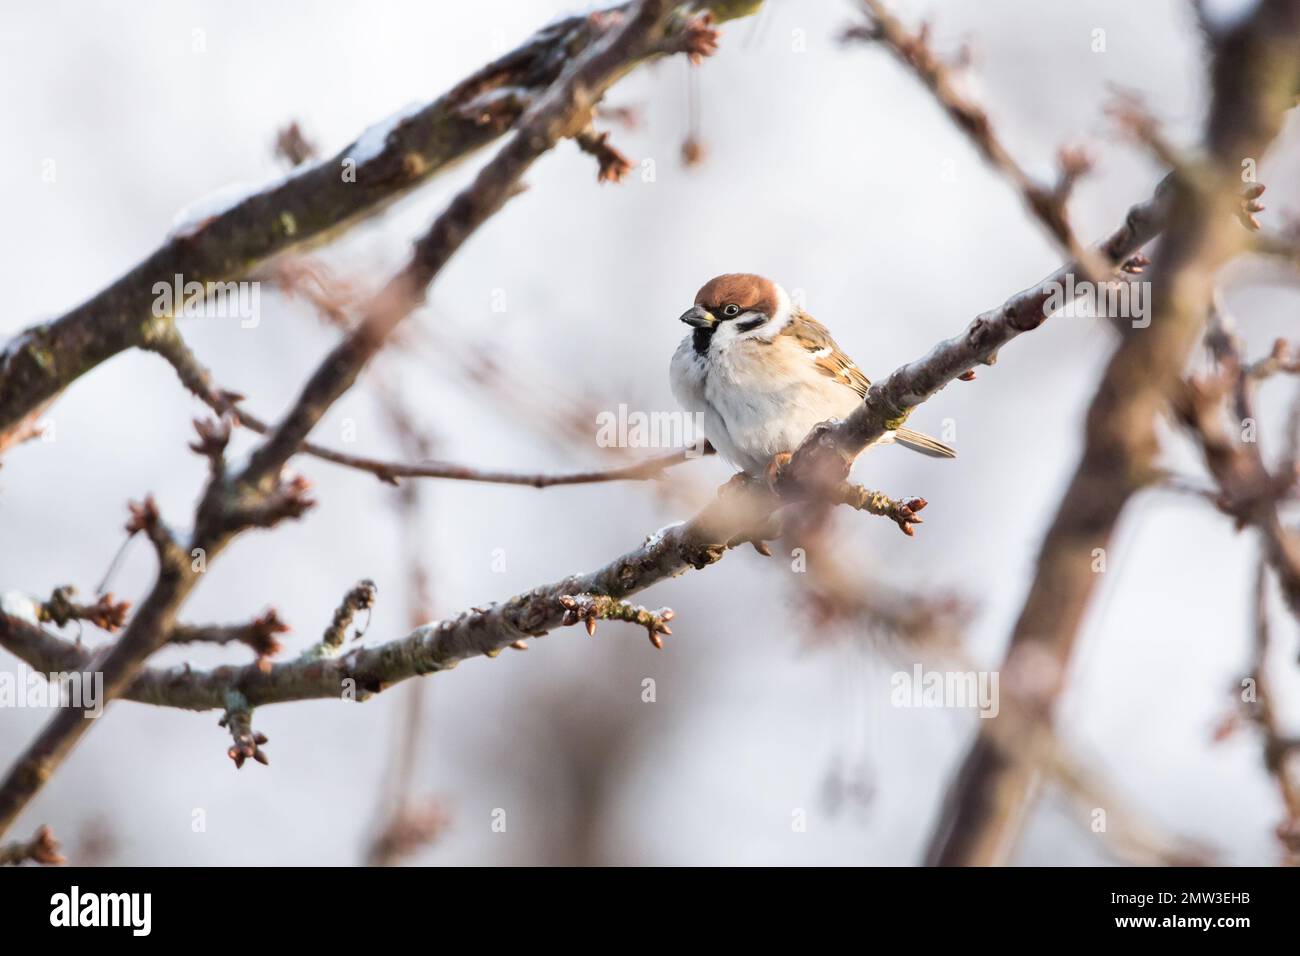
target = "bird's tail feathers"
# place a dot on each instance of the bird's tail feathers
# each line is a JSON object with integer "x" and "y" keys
{"x": 923, "y": 443}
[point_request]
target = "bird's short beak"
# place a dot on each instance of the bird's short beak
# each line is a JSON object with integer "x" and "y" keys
{"x": 697, "y": 316}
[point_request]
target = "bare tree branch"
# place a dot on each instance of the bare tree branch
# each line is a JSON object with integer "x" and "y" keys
{"x": 890, "y": 400}
{"x": 1247, "y": 489}
{"x": 314, "y": 203}
{"x": 438, "y": 646}
{"x": 258, "y": 496}
{"x": 1046, "y": 203}
{"x": 1255, "y": 73}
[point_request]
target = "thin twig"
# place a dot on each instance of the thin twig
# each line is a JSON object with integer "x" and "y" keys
{"x": 360, "y": 598}
{"x": 901, "y": 512}
{"x": 41, "y": 848}
{"x": 259, "y": 635}
{"x": 1247, "y": 490}
{"x": 1281, "y": 750}
{"x": 590, "y": 608}
{"x": 171, "y": 346}
{"x": 105, "y": 613}
{"x": 1048, "y": 204}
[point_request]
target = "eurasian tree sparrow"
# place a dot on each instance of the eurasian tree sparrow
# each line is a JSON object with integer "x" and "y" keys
{"x": 763, "y": 372}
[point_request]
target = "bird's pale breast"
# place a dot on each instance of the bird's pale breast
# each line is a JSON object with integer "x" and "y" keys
{"x": 767, "y": 396}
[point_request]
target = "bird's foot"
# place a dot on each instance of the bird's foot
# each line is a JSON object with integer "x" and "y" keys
{"x": 772, "y": 474}
{"x": 737, "y": 483}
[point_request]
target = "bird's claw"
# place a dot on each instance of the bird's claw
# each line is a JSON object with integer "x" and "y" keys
{"x": 735, "y": 484}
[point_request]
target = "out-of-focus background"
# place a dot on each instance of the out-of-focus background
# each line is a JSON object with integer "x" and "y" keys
{"x": 827, "y": 168}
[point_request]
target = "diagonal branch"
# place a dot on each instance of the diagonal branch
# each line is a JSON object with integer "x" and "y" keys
{"x": 315, "y": 202}
{"x": 563, "y": 111}
{"x": 890, "y": 400}
{"x": 257, "y": 495}
{"x": 430, "y": 648}
{"x": 1046, "y": 203}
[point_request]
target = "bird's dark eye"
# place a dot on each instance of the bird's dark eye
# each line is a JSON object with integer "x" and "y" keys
{"x": 732, "y": 309}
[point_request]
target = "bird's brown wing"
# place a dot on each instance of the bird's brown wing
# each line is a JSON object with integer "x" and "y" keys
{"x": 829, "y": 359}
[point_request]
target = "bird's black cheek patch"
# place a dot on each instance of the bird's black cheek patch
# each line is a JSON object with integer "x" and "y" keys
{"x": 750, "y": 324}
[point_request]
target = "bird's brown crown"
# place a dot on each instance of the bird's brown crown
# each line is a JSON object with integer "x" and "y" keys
{"x": 740, "y": 288}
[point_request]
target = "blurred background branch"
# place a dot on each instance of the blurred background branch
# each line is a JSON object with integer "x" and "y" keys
{"x": 1256, "y": 71}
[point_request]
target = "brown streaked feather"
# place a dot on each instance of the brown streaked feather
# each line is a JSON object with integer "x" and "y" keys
{"x": 814, "y": 338}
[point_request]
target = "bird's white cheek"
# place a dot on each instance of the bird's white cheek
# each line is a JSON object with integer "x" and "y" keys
{"x": 721, "y": 337}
